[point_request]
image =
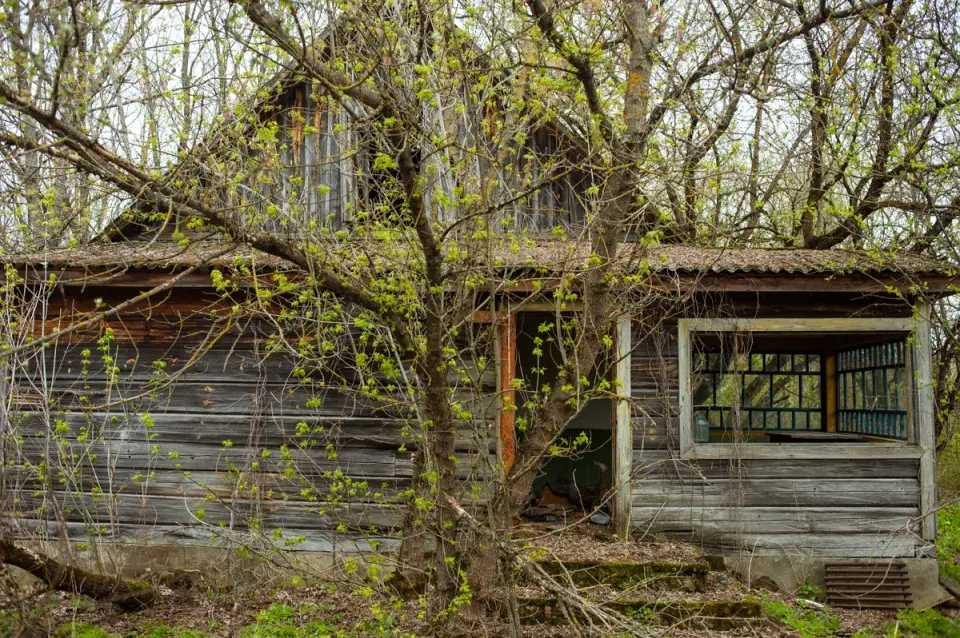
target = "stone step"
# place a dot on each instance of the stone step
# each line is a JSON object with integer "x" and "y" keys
{"x": 711, "y": 615}
{"x": 653, "y": 576}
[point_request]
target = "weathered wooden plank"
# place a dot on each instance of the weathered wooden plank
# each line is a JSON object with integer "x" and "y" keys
{"x": 269, "y": 431}
{"x": 178, "y": 510}
{"x": 147, "y": 456}
{"x": 922, "y": 360}
{"x": 283, "y": 398}
{"x": 776, "y": 520}
{"x": 136, "y": 363}
{"x": 833, "y": 324}
{"x": 658, "y": 464}
{"x": 872, "y": 450}
{"x": 313, "y": 539}
{"x": 686, "y": 389}
{"x": 220, "y": 398}
{"x": 759, "y": 493}
{"x": 200, "y": 483}
{"x": 623, "y": 433}
{"x": 802, "y": 546}
{"x": 185, "y": 361}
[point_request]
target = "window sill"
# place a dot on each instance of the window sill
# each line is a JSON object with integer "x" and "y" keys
{"x": 833, "y": 450}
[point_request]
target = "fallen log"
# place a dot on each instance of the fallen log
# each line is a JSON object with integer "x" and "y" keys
{"x": 126, "y": 593}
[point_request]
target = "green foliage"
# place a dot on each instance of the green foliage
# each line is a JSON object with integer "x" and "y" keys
{"x": 912, "y": 623}
{"x": 948, "y": 541}
{"x": 12, "y": 623}
{"x": 929, "y": 622}
{"x": 811, "y": 592}
{"x": 163, "y": 631}
{"x": 643, "y": 616}
{"x": 810, "y": 623}
{"x": 82, "y": 630}
{"x": 312, "y": 621}
{"x": 283, "y": 621}
{"x": 9, "y": 621}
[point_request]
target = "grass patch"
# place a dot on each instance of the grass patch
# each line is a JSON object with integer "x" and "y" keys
{"x": 284, "y": 621}
{"x": 912, "y": 623}
{"x": 163, "y": 631}
{"x": 313, "y": 621}
{"x": 811, "y": 623}
{"x": 82, "y": 630}
{"x": 948, "y": 541}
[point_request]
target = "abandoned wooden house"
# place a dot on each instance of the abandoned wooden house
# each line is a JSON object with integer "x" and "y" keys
{"x": 779, "y": 406}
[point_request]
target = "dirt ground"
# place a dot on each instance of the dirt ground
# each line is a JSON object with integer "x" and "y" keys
{"x": 304, "y": 611}
{"x": 192, "y": 608}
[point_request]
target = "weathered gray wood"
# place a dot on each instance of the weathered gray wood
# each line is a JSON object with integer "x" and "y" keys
{"x": 182, "y": 360}
{"x": 765, "y": 493}
{"x": 776, "y": 520}
{"x": 838, "y": 324}
{"x": 177, "y": 510}
{"x": 800, "y": 546}
{"x": 686, "y": 390}
{"x": 662, "y": 465}
{"x": 925, "y": 419}
{"x": 314, "y": 540}
{"x": 623, "y": 434}
{"x": 142, "y": 454}
{"x": 285, "y": 398}
{"x": 268, "y": 430}
{"x": 200, "y": 483}
{"x": 873, "y": 450}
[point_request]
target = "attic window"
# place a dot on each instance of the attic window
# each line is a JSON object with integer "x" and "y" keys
{"x": 833, "y": 381}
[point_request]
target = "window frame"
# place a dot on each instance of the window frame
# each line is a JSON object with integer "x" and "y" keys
{"x": 919, "y": 442}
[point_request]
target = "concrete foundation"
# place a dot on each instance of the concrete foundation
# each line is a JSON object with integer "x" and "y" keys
{"x": 788, "y": 574}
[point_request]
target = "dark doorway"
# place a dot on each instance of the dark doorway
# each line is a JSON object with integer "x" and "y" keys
{"x": 577, "y": 475}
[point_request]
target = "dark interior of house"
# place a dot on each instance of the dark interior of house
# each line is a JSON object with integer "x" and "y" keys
{"x": 575, "y": 479}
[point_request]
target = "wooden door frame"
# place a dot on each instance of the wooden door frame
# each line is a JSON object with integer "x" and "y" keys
{"x": 621, "y": 435}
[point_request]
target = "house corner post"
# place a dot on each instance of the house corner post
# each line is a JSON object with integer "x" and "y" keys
{"x": 923, "y": 376}
{"x": 623, "y": 433}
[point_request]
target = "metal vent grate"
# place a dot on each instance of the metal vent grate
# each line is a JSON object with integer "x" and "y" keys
{"x": 868, "y": 585}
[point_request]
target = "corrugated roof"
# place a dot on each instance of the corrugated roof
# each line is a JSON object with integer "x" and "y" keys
{"x": 549, "y": 255}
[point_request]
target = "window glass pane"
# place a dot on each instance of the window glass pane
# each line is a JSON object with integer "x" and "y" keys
{"x": 713, "y": 362}
{"x": 756, "y": 391}
{"x": 813, "y": 361}
{"x": 857, "y": 388}
{"x": 902, "y": 388}
{"x": 786, "y": 364}
{"x": 770, "y": 420}
{"x": 814, "y": 420}
{"x": 785, "y": 391}
{"x": 800, "y": 362}
{"x": 811, "y": 392}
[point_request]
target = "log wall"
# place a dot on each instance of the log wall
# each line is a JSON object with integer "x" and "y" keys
{"x": 175, "y": 447}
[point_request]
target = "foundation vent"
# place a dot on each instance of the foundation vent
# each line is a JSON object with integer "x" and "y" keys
{"x": 883, "y": 585}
